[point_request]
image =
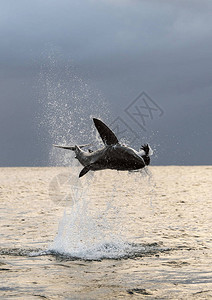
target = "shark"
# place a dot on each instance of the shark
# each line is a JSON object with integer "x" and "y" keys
{"x": 113, "y": 155}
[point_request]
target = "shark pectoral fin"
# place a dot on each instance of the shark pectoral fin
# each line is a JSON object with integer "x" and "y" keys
{"x": 85, "y": 170}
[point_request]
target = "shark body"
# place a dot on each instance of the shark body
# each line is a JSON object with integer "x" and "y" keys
{"x": 112, "y": 156}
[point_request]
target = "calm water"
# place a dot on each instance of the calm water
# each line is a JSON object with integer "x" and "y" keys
{"x": 108, "y": 236}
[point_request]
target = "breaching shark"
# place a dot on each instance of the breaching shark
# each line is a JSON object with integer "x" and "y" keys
{"x": 112, "y": 156}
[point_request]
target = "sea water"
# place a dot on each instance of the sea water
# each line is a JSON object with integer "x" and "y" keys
{"x": 111, "y": 243}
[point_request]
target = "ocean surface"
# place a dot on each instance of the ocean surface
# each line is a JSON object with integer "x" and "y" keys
{"x": 108, "y": 235}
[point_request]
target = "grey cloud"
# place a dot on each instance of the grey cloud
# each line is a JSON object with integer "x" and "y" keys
{"x": 122, "y": 48}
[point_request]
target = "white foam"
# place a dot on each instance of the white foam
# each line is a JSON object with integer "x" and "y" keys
{"x": 87, "y": 233}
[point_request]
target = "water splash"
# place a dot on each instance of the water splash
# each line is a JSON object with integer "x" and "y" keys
{"x": 85, "y": 231}
{"x": 91, "y": 231}
{"x": 68, "y": 104}
{"x": 96, "y": 252}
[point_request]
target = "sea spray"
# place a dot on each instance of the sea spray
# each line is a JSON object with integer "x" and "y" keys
{"x": 96, "y": 226}
{"x": 68, "y": 103}
{"x": 89, "y": 233}
{"x": 87, "y": 230}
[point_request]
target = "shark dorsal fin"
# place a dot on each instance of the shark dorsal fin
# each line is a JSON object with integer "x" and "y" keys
{"x": 108, "y": 137}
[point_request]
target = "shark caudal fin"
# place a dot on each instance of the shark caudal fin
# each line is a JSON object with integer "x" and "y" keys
{"x": 73, "y": 148}
{"x": 108, "y": 137}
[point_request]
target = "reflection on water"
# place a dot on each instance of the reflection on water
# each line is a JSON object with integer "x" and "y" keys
{"x": 121, "y": 235}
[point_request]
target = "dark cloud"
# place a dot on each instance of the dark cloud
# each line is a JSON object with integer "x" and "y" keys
{"x": 119, "y": 48}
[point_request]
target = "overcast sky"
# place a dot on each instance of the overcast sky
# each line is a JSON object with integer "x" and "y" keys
{"x": 63, "y": 61}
